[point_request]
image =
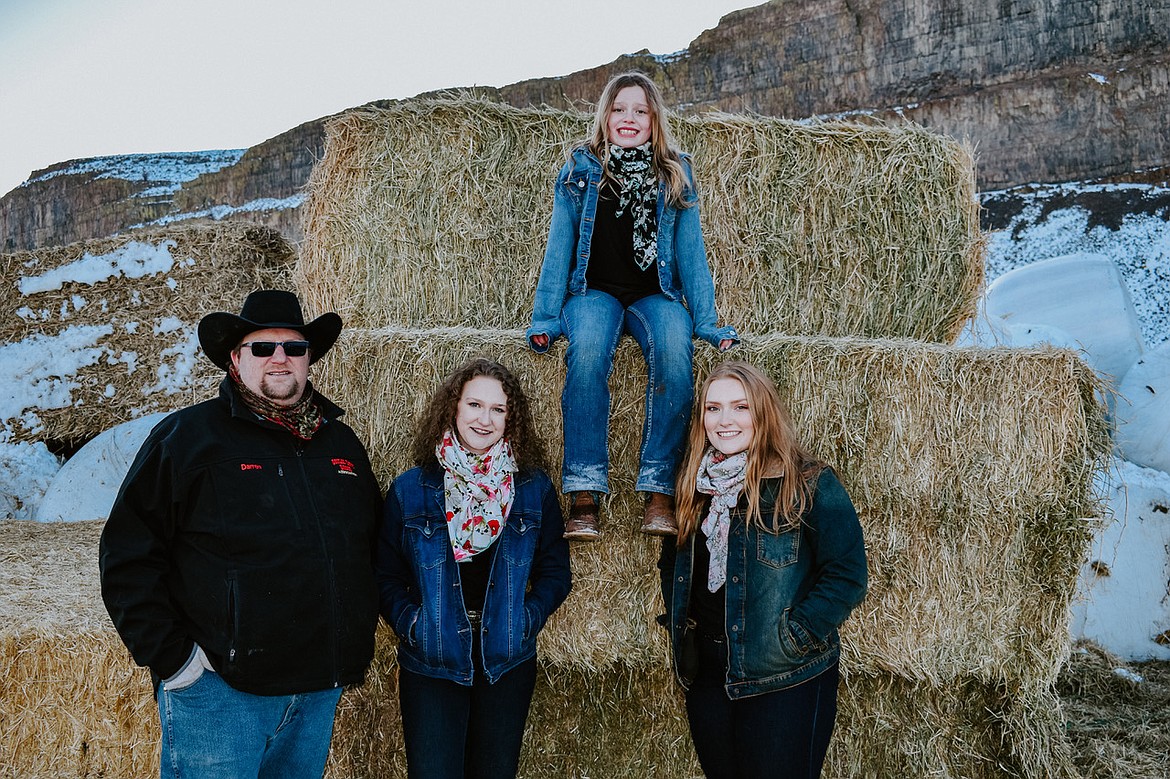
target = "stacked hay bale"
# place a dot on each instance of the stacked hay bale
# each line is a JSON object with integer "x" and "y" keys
{"x": 425, "y": 226}
{"x": 133, "y": 300}
{"x": 435, "y": 214}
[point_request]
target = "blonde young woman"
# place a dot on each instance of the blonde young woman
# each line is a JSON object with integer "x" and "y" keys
{"x": 769, "y": 562}
{"x": 625, "y": 254}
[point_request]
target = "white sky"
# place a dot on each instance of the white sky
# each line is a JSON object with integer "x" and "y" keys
{"x": 87, "y": 78}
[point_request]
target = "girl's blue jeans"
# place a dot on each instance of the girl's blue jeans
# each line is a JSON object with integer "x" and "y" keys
{"x": 593, "y": 323}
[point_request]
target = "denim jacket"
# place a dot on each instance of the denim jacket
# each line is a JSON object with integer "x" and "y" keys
{"x": 419, "y": 587}
{"x": 785, "y": 593}
{"x": 683, "y": 273}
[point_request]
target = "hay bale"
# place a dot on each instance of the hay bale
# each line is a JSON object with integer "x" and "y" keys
{"x": 971, "y": 470}
{"x": 435, "y": 212}
{"x": 73, "y": 704}
{"x": 123, "y": 310}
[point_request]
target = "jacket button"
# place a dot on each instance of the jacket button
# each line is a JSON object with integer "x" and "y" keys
{"x": 735, "y": 579}
{"x": 735, "y": 628}
{"x": 581, "y": 183}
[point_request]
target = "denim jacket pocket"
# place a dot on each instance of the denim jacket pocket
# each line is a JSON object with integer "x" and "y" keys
{"x": 575, "y": 185}
{"x": 520, "y": 534}
{"x": 778, "y": 550}
{"x": 795, "y": 640}
{"x": 427, "y": 540}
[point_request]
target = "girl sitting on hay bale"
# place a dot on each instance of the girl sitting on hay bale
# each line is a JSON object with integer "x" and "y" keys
{"x": 625, "y": 252}
{"x": 470, "y": 564}
{"x": 773, "y": 542}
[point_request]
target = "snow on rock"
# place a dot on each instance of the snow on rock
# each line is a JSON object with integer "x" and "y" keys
{"x": 26, "y": 470}
{"x": 87, "y": 484}
{"x": 168, "y": 167}
{"x": 1143, "y": 411}
{"x": 1083, "y": 295}
{"x": 1124, "y": 596}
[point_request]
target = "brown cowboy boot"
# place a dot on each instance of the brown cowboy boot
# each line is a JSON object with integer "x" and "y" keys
{"x": 584, "y": 518}
{"x": 658, "y": 518}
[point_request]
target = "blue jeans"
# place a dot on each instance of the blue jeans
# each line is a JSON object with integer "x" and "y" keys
{"x": 594, "y": 322}
{"x": 783, "y": 734}
{"x": 454, "y": 731}
{"x": 213, "y": 731}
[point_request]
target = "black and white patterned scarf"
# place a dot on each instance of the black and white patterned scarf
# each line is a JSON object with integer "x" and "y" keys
{"x": 634, "y": 170}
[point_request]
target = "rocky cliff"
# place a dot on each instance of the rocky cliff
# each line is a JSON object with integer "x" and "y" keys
{"x": 1046, "y": 90}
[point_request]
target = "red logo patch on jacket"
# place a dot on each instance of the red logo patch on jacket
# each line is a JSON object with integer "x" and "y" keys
{"x": 344, "y": 466}
{"x": 251, "y": 467}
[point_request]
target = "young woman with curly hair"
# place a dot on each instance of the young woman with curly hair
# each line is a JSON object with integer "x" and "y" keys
{"x": 471, "y": 562}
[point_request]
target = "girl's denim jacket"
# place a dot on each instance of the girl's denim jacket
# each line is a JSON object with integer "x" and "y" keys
{"x": 785, "y": 593}
{"x": 419, "y": 587}
{"x": 683, "y": 273}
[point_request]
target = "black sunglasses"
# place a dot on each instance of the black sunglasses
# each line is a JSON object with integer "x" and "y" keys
{"x": 268, "y": 348}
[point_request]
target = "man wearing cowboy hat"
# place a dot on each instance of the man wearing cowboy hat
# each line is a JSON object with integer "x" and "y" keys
{"x": 236, "y": 562}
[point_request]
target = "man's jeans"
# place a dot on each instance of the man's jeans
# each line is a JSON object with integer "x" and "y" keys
{"x": 212, "y": 731}
{"x": 594, "y": 322}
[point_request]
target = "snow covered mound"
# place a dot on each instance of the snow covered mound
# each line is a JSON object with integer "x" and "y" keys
{"x": 1082, "y": 295}
{"x": 87, "y": 484}
{"x": 26, "y": 471}
{"x": 1128, "y": 223}
{"x": 1124, "y": 602}
{"x": 1143, "y": 411}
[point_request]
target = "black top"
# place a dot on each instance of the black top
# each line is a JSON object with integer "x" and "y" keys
{"x": 473, "y": 578}
{"x": 707, "y": 608}
{"x": 612, "y": 267}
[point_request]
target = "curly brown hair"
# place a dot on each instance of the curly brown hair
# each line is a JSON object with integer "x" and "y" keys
{"x": 438, "y": 416}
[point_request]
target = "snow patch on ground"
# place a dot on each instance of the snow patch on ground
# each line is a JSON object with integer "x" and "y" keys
{"x": 26, "y": 471}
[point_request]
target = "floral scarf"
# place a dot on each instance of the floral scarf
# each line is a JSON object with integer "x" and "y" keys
{"x": 478, "y": 492}
{"x": 722, "y": 478}
{"x": 302, "y": 418}
{"x": 634, "y": 170}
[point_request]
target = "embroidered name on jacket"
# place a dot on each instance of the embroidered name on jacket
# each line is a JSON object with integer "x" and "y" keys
{"x": 251, "y": 467}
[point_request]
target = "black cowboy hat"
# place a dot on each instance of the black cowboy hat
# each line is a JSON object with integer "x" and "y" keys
{"x": 221, "y": 332}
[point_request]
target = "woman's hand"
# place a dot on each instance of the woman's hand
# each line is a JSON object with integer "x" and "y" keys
{"x": 540, "y": 340}
{"x": 726, "y": 344}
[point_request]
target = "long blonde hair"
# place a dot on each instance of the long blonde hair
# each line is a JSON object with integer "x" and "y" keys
{"x": 667, "y": 159}
{"x": 774, "y": 449}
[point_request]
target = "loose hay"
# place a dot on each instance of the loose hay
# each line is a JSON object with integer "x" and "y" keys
{"x": 970, "y": 468}
{"x": 1117, "y": 726}
{"x": 435, "y": 212}
{"x": 143, "y": 353}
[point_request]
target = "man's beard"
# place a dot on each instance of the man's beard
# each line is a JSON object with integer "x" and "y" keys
{"x": 289, "y": 395}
